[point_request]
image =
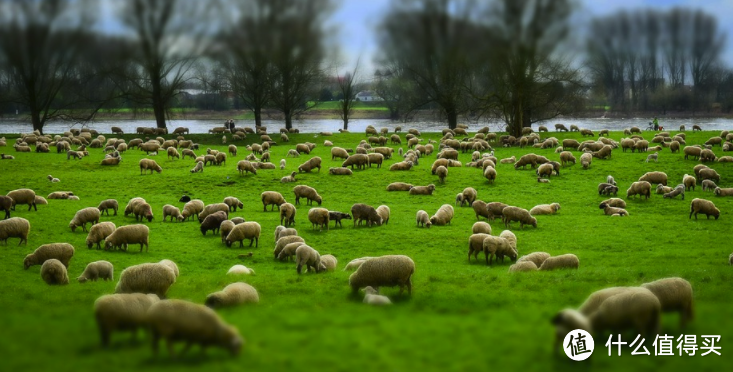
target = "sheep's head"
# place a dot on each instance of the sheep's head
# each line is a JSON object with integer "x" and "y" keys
{"x": 27, "y": 262}
{"x": 72, "y": 226}
{"x": 82, "y": 279}
{"x": 603, "y": 206}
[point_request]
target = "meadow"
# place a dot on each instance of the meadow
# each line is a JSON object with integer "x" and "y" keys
{"x": 461, "y": 316}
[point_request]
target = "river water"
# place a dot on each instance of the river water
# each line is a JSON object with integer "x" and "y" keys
{"x": 358, "y": 125}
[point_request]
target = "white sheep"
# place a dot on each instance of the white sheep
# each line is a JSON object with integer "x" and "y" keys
{"x": 423, "y": 219}
{"x": 372, "y": 297}
{"x": 53, "y": 272}
{"x": 84, "y": 216}
{"x": 59, "y": 251}
{"x": 118, "y": 312}
{"x": 240, "y": 270}
{"x": 384, "y": 271}
{"x": 248, "y": 230}
{"x": 146, "y": 278}
{"x": 15, "y": 227}
{"x": 560, "y": 262}
{"x": 96, "y": 270}
{"x": 674, "y": 294}
{"x": 309, "y": 257}
{"x": 544, "y": 209}
{"x": 232, "y": 295}
{"x": 130, "y": 234}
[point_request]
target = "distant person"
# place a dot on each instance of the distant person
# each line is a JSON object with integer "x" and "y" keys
{"x": 656, "y": 123}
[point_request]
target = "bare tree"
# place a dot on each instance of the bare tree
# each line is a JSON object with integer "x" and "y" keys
{"x": 168, "y": 36}
{"x": 348, "y": 86}
{"x": 706, "y": 44}
{"x": 41, "y": 49}
{"x": 396, "y": 92}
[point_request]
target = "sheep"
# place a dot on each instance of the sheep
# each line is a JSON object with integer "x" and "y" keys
{"x": 499, "y": 246}
{"x": 248, "y": 230}
{"x": 422, "y": 190}
{"x": 383, "y": 212}
{"x": 723, "y": 191}
{"x": 490, "y": 174}
{"x": 60, "y": 251}
{"x": 213, "y": 222}
{"x": 679, "y": 189}
{"x": 372, "y": 297}
{"x": 709, "y": 174}
{"x": 84, "y": 216}
{"x": 328, "y": 262}
{"x": 178, "y": 320}
{"x": 234, "y": 294}
{"x": 442, "y": 173}
{"x": 708, "y": 185}
{"x": 314, "y": 162}
{"x": 567, "y": 157}
{"x": 287, "y": 214}
{"x": 98, "y": 233}
{"x": 510, "y": 214}
{"x": 481, "y": 228}
{"x": 674, "y": 294}
{"x": 423, "y": 219}
{"x": 586, "y": 159}
{"x": 130, "y": 234}
{"x": 399, "y": 186}
{"x": 121, "y": 312}
{"x": 142, "y": 211}
{"x": 476, "y": 244}
{"x": 23, "y": 196}
{"x": 59, "y": 195}
{"x": 705, "y": 207}
{"x": 725, "y": 159}
{"x": 318, "y": 216}
{"x": 106, "y": 205}
{"x": 654, "y": 157}
{"x": 309, "y": 257}
{"x": 362, "y": 212}
{"x": 15, "y": 227}
{"x": 545, "y": 209}
{"x": 610, "y": 211}
{"x": 303, "y": 191}
{"x": 603, "y": 153}
{"x": 172, "y": 211}
{"x": 225, "y": 228}
{"x": 443, "y": 216}
{"x": 52, "y": 179}
{"x": 240, "y": 270}
{"x": 560, "y": 262}
{"x": 96, "y": 270}
{"x": 149, "y": 164}
{"x": 523, "y": 266}
{"x": 6, "y": 204}
{"x": 283, "y": 241}
{"x": 401, "y": 166}
{"x": 692, "y": 151}
{"x": 273, "y": 198}
{"x": 384, "y": 271}
{"x": 153, "y": 278}
{"x": 288, "y": 251}
{"x": 545, "y": 170}
{"x": 495, "y": 209}
{"x": 53, "y": 272}
{"x": 642, "y": 188}
{"x": 635, "y": 307}
{"x": 536, "y": 257}
{"x": 192, "y": 207}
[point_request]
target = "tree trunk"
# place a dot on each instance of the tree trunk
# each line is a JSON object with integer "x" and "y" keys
{"x": 346, "y": 122}
{"x": 158, "y": 104}
{"x": 452, "y": 119}
{"x": 258, "y": 116}
{"x": 36, "y": 120}
{"x": 288, "y": 119}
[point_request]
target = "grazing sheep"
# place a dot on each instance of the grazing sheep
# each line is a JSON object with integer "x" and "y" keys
{"x": 314, "y": 162}
{"x": 233, "y": 203}
{"x": 636, "y": 308}
{"x": 130, "y": 234}
{"x": 178, "y": 320}
{"x": 476, "y": 244}
{"x": 328, "y": 262}
{"x": 399, "y": 186}
{"x": 536, "y": 257}
{"x": 490, "y": 174}
{"x": 14, "y": 227}
{"x": 499, "y": 246}
{"x": 709, "y": 174}
{"x": 108, "y": 204}
{"x": 192, "y": 207}
{"x": 510, "y": 214}
{"x": 303, "y": 191}
{"x": 565, "y": 261}
{"x": 84, "y": 216}
{"x": 705, "y": 207}
{"x": 678, "y": 190}
{"x": 153, "y": 278}
{"x": 98, "y": 233}
{"x": 288, "y": 251}
{"x": 611, "y": 211}
{"x": 586, "y": 159}
{"x": 149, "y": 164}
{"x": 567, "y": 157}
{"x": 318, "y": 216}
{"x": 238, "y": 220}
{"x": 383, "y": 212}
{"x": 442, "y": 173}
{"x": 213, "y": 222}
{"x": 674, "y": 294}
{"x": 443, "y": 216}
{"x": 273, "y": 198}
{"x": 495, "y": 209}
{"x": 642, "y": 188}
{"x": 468, "y": 195}
{"x": 53, "y": 272}
{"x": 96, "y": 270}
{"x": 692, "y": 151}
{"x": 118, "y": 312}
{"x": 309, "y": 257}
{"x": 362, "y": 212}
{"x": 142, "y": 211}
{"x": 545, "y": 209}
{"x": 422, "y": 190}
{"x": 481, "y": 228}
{"x": 423, "y": 219}
{"x": 284, "y": 241}
{"x": 247, "y": 230}
{"x": 385, "y": 271}
{"x": 708, "y": 185}
{"x": 654, "y": 157}
{"x": 240, "y": 270}
{"x": 60, "y": 251}
{"x": 544, "y": 170}
{"x": 232, "y": 295}
{"x": 225, "y": 228}
{"x": 172, "y": 211}
{"x": 244, "y": 166}
{"x": 287, "y": 214}
{"x": 23, "y": 196}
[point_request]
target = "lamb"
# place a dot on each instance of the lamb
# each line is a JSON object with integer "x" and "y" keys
{"x": 423, "y": 219}
{"x": 560, "y": 262}
{"x": 52, "y": 179}
{"x": 247, "y": 230}
{"x": 232, "y": 295}
{"x": 240, "y": 270}
{"x": 610, "y": 211}
{"x": 23, "y": 196}
{"x": 708, "y": 185}
{"x": 362, "y": 212}
{"x": 15, "y": 227}
{"x": 192, "y": 207}
{"x": 98, "y": 233}
{"x": 318, "y": 216}
{"x": 536, "y": 257}
{"x": 328, "y": 262}
{"x": 372, "y": 297}
{"x": 244, "y": 166}
{"x": 476, "y": 244}
{"x": 213, "y": 222}
{"x": 705, "y": 207}
{"x": 586, "y": 159}
{"x": 642, "y": 188}
{"x": 178, "y": 320}
{"x": 468, "y": 195}
{"x": 545, "y": 209}
{"x": 422, "y": 190}
{"x": 96, "y": 270}
{"x": 309, "y": 257}
{"x": 153, "y": 278}
{"x": 654, "y": 177}
{"x": 287, "y": 214}
{"x": 679, "y": 190}
{"x": 233, "y": 203}
{"x": 443, "y": 216}
{"x": 53, "y": 272}
{"x": 60, "y": 251}
{"x": 399, "y": 186}
{"x": 130, "y": 234}
{"x": 142, "y": 211}
{"x": 510, "y": 214}
{"x": 106, "y": 205}
{"x": 384, "y": 271}
{"x": 481, "y": 228}
{"x": 225, "y": 228}
{"x": 149, "y": 164}
{"x": 84, "y": 216}
{"x": 293, "y": 153}
{"x": 119, "y": 312}
{"x": 314, "y": 162}
{"x": 383, "y": 212}
{"x": 635, "y": 308}
{"x": 273, "y": 198}
{"x": 172, "y": 211}
{"x": 674, "y": 294}
{"x": 289, "y": 251}
{"x": 442, "y": 173}
{"x": 567, "y": 157}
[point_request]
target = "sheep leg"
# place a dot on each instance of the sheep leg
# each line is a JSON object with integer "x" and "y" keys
{"x": 169, "y": 343}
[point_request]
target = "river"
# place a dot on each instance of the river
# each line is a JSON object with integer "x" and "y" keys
{"x": 358, "y": 125}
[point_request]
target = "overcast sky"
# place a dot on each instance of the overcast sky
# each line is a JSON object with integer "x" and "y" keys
{"x": 357, "y": 20}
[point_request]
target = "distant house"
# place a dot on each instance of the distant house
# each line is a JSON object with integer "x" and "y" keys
{"x": 367, "y": 96}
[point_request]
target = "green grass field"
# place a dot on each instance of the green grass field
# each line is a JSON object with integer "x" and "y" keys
{"x": 461, "y": 315}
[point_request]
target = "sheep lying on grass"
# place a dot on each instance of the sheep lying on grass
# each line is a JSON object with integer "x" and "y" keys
{"x": 232, "y": 295}
{"x": 372, "y": 297}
